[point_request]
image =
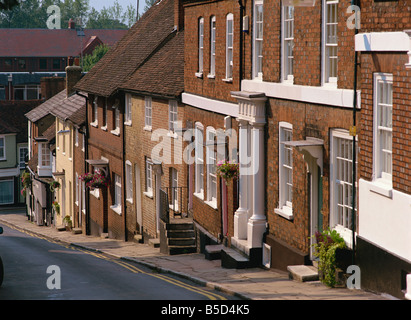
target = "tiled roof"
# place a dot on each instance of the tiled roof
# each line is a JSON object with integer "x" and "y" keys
{"x": 51, "y": 42}
{"x": 163, "y": 73}
{"x": 78, "y": 117}
{"x": 59, "y": 105}
{"x": 12, "y": 119}
{"x": 146, "y": 36}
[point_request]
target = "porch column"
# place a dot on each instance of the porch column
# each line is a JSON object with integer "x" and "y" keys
{"x": 257, "y": 222}
{"x": 241, "y": 215}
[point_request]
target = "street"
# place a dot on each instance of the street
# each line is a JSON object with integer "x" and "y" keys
{"x": 40, "y": 269}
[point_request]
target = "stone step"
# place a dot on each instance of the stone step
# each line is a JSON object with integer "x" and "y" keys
{"x": 232, "y": 259}
{"x": 180, "y": 226}
{"x": 213, "y": 252}
{"x": 174, "y": 250}
{"x": 155, "y": 243}
{"x": 303, "y": 273}
{"x": 77, "y": 231}
{"x": 181, "y": 241}
{"x": 180, "y": 234}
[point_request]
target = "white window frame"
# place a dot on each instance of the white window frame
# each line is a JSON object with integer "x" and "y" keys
{"x": 380, "y": 172}
{"x": 25, "y": 89}
{"x": 76, "y": 137}
{"x": 287, "y": 43}
{"x": 116, "y": 207}
{"x": 229, "y": 50}
{"x": 200, "y": 47}
{"x": 44, "y": 155}
{"x": 285, "y": 207}
{"x": 213, "y": 31}
{"x": 105, "y": 107}
{"x": 12, "y": 197}
{"x": 174, "y": 189}
{"x": 148, "y": 111}
{"x": 341, "y": 158}
{"x": 3, "y": 147}
{"x": 211, "y": 162}
{"x": 127, "y": 110}
{"x": 258, "y": 40}
{"x": 22, "y": 163}
{"x": 172, "y": 116}
{"x": 77, "y": 189}
{"x": 199, "y": 161}
{"x": 330, "y": 41}
{"x": 129, "y": 181}
{"x": 149, "y": 178}
{"x": 94, "y": 113}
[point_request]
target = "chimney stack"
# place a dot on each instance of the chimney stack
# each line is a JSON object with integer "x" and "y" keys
{"x": 73, "y": 75}
{"x": 71, "y": 24}
{"x": 178, "y": 14}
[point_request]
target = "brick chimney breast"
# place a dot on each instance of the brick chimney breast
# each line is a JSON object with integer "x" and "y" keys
{"x": 73, "y": 75}
{"x": 178, "y": 14}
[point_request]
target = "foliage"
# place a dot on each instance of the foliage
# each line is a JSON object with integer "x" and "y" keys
{"x": 67, "y": 221}
{"x": 8, "y": 4}
{"x": 95, "y": 180}
{"x": 26, "y": 179}
{"x": 227, "y": 170}
{"x": 56, "y": 207}
{"x": 54, "y": 185}
{"x": 327, "y": 242}
{"x": 91, "y": 59}
{"x": 33, "y": 14}
{"x": 149, "y": 4}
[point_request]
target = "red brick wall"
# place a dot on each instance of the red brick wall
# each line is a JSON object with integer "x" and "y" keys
{"x": 102, "y": 143}
{"x": 212, "y": 88}
{"x": 394, "y": 64}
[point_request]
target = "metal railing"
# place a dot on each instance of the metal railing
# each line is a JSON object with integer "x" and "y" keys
{"x": 177, "y": 201}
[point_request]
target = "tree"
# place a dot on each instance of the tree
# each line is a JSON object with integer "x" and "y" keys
{"x": 149, "y": 4}
{"x": 109, "y": 18}
{"x": 91, "y": 59}
{"x": 8, "y": 4}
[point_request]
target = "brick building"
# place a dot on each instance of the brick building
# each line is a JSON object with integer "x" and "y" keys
{"x": 212, "y": 70}
{"x": 27, "y": 55}
{"x": 126, "y": 108}
{"x": 383, "y": 239}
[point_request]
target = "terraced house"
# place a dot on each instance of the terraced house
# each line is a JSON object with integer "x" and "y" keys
{"x": 135, "y": 102}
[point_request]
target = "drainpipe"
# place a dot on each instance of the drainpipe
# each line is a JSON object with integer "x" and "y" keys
{"x": 124, "y": 182}
{"x": 354, "y": 134}
{"x": 86, "y": 168}
{"x": 242, "y": 8}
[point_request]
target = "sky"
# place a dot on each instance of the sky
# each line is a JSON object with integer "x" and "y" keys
{"x": 99, "y": 4}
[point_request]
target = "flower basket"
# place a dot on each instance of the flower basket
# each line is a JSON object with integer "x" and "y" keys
{"x": 87, "y": 177}
{"x": 56, "y": 207}
{"x": 98, "y": 181}
{"x": 68, "y": 222}
{"x": 54, "y": 185}
{"x": 227, "y": 170}
{"x": 26, "y": 180}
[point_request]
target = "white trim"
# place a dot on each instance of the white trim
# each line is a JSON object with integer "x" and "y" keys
{"x": 228, "y": 63}
{"x": 319, "y": 95}
{"x": 257, "y": 74}
{"x": 9, "y": 172}
{"x": 225, "y": 108}
{"x": 383, "y": 41}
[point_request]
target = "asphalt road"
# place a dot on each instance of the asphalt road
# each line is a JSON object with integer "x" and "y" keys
{"x": 39, "y": 269}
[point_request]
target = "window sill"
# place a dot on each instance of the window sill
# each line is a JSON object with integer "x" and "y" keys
{"x": 116, "y": 208}
{"x": 95, "y": 193}
{"x": 199, "y": 75}
{"x": 382, "y": 187}
{"x": 94, "y": 124}
{"x": 129, "y": 200}
{"x": 172, "y": 135}
{"x": 148, "y": 194}
{"x": 128, "y": 123}
{"x": 211, "y": 76}
{"x": 212, "y": 204}
{"x": 199, "y": 195}
{"x": 228, "y": 80}
{"x": 147, "y": 128}
{"x": 285, "y": 212}
{"x": 116, "y": 132}
{"x": 104, "y": 128}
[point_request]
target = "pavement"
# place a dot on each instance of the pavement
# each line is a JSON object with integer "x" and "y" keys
{"x": 250, "y": 284}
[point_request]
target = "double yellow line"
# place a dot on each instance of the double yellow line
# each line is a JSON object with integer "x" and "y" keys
{"x": 128, "y": 266}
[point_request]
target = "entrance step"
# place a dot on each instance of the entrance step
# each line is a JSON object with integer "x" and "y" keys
{"x": 155, "y": 243}
{"x": 232, "y": 259}
{"x": 77, "y": 231}
{"x": 213, "y": 252}
{"x": 303, "y": 273}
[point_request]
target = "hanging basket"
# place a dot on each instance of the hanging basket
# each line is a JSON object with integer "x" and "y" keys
{"x": 227, "y": 170}
{"x": 54, "y": 185}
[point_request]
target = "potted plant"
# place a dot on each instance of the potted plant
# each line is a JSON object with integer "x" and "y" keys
{"x": 227, "y": 170}
{"x": 26, "y": 179}
{"x": 54, "y": 185}
{"x": 327, "y": 243}
{"x": 56, "y": 207}
{"x": 99, "y": 181}
{"x": 87, "y": 177}
{"x": 68, "y": 222}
